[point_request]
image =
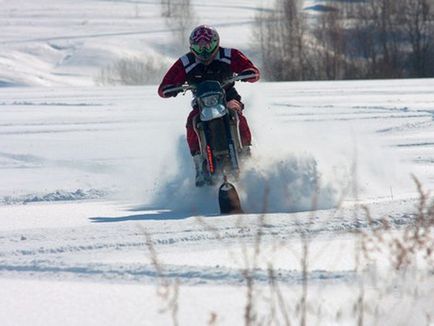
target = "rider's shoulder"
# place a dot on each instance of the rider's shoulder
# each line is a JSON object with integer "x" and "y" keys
{"x": 187, "y": 58}
{"x": 232, "y": 52}
{"x": 236, "y": 52}
{"x": 225, "y": 52}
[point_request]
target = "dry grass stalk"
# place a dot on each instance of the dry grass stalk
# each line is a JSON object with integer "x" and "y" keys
{"x": 251, "y": 265}
{"x": 276, "y": 292}
{"x": 250, "y": 260}
{"x": 403, "y": 248}
{"x": 213, "y": 319}
{"x": 167, "y": 291}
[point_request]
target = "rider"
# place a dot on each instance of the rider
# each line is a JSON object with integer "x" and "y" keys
{"x": 208, "y": 61}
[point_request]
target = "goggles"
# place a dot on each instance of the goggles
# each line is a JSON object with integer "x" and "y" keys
{"x": 204, "y": 49}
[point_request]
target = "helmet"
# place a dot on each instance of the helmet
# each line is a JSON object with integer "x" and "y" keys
{"x": 204, "y": 43}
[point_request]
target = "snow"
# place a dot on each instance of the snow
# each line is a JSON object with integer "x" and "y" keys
{"x": 94, "y": 179}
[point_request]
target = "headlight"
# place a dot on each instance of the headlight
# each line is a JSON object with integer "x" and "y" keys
{"x": 211, "y": 100}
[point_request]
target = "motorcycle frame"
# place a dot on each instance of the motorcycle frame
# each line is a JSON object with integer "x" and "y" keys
{"x": 233, "y": 137}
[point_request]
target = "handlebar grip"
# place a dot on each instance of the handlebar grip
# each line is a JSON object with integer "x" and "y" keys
{"x": 242, "y": 77}
{"x": 238, "y": 78}
{"x": 173, "y": 90}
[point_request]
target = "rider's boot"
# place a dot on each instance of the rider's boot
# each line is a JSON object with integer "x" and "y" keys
{"x": 245, "y": 152}
{"x": 198, "y": 166}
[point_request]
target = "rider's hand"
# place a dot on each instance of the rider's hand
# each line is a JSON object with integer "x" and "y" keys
{"x": 247, "y": 72}
{"x": 235, "y": 105}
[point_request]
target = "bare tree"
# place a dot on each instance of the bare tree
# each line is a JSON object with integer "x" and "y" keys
{"x": 400, "y": 38}
{"x": 376, "y": 38}
{"x": 417, "y": 18}
{"x": 166, "y": 8}
{"x": 281, "y": 41}
{"x": 132, "y": 71}
{"x": 179, "y": 18}
{"x": 357, "y": 39}
{"x": 331, "y": 46}
{"x": 385, "y": 20}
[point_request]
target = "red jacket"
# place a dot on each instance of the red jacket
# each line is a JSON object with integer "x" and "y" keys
{"x": 227, "y": 62}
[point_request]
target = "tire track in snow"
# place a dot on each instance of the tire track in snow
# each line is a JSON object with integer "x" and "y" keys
{"x": 59, "y": 195}
{"x": 186, "y": 275}
{"x": 73, "y": 253}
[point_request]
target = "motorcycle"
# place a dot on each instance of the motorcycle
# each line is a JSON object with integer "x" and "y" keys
{"x": 220, "y": 143}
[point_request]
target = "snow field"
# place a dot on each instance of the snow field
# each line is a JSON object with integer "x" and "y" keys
{"x": 77, "y": 207}
{"x": 93, "y": 178}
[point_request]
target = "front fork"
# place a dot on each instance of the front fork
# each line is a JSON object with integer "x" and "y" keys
{"x": 233, "y": 155}
{"x": 204, "y": 135}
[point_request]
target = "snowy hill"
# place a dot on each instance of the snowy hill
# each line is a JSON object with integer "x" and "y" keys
{"x": 100, "y": 223}
{"x": 67, "y": 42}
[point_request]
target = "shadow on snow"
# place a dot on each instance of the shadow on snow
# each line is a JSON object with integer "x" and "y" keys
{"x": 162, "y": 215}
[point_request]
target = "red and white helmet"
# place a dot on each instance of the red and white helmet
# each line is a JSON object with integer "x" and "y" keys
{"x": 204, "y": 43}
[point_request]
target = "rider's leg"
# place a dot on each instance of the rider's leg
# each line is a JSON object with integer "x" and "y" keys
{"x": 192, "y": 139}
{"x": 246, "y": 136}
{"x": 193, "y": 144}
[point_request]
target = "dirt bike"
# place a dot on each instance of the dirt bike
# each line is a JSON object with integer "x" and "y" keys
{"x": 217, "y": 128}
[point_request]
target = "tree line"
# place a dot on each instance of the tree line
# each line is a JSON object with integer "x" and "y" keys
{"x": 347, "y": 40}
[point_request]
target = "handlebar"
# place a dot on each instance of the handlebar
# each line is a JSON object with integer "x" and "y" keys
{"x": 184, "y": 88}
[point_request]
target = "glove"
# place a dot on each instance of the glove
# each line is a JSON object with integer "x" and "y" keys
{"x": 171, "y": 93}
{"x": 235, "y": 105}
{"x": 247, "y": 73}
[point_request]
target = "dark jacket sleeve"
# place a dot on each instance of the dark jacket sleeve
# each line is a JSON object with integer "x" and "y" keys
{"x": 241, "y": 63}
{"x": 175, "y": 76}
